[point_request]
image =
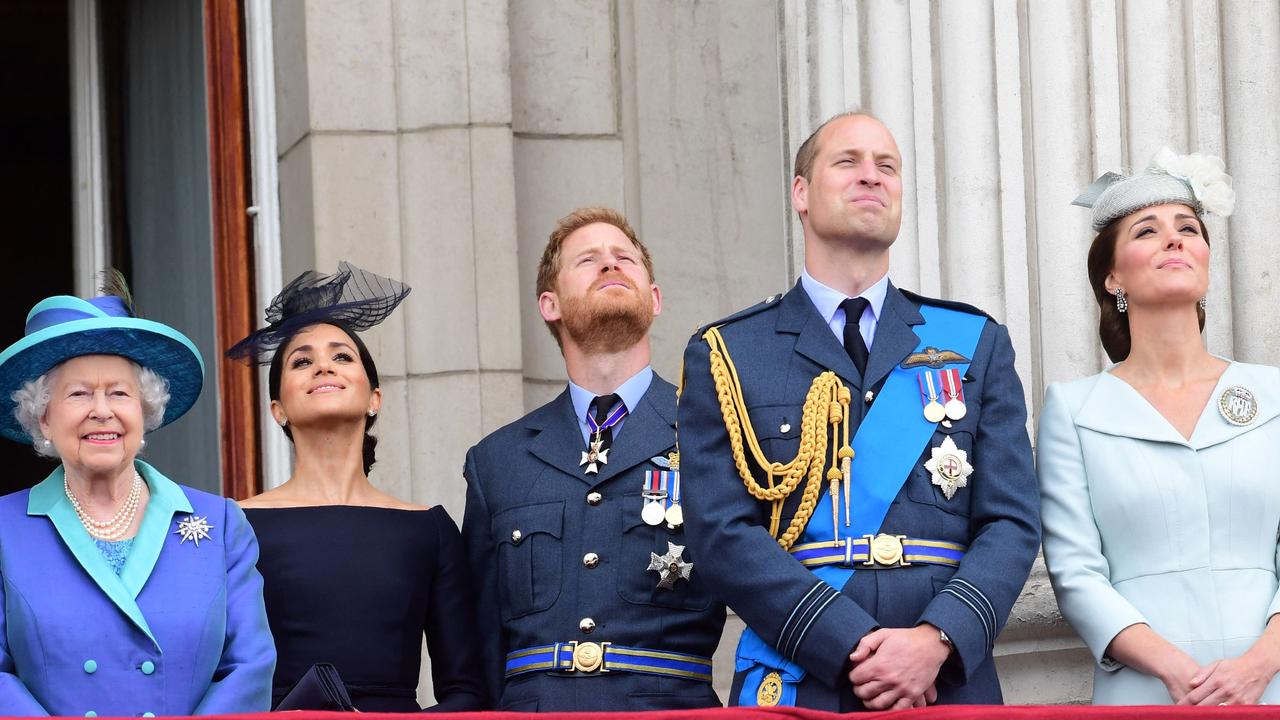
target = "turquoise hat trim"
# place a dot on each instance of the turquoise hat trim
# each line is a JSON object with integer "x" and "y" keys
{"x": 152, "y": 345}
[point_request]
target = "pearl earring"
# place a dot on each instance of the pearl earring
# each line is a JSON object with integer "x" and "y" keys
{"x": 1122, "y": 304}
{"x": 45, "y": 443}
{"x": 142, "y": 444}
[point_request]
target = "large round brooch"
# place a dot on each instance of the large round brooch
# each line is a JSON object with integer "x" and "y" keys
{"x": 1237, "y": 405}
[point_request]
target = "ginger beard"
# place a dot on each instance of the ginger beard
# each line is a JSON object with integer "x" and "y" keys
{"x": 608, "y": 321}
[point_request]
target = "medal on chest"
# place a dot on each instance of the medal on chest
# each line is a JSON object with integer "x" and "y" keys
{"x": 949, "y": 467}
{"x": 671, "y": 566}
{"x": 933, "y": 410}
{"x": 596, "y": 454}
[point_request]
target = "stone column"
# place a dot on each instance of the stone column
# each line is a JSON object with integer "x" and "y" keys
{"x": 394, "y": 129}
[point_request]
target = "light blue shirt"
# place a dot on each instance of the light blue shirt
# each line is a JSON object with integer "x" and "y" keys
{"x": 630, "y": 391}
{"x": 827, "y": 300}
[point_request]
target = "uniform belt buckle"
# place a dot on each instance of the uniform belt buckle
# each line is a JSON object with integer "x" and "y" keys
{"x": 885, "y": 551}
{"x": 587, "y": 658}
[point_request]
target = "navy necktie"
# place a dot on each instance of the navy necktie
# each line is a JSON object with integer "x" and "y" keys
{"x": 600, "y": 408}
{"x": 853, "y": 342}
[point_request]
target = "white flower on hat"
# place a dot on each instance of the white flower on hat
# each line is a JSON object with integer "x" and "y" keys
{"x": 1206, "y": 175}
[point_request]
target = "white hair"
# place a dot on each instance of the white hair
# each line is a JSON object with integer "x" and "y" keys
{"x": 32, "y": 399}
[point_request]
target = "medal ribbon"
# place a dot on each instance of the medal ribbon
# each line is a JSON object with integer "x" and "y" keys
{"x": 651, "y": 483}
{"x": 928, "y": 393}
{"x": 613, "y": 418}
{"x": 952, "y": 388}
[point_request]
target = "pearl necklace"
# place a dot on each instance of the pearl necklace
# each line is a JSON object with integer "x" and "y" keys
{"x": 118, "y": 526}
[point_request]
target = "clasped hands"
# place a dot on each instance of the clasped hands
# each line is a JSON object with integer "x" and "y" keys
{"x": 895, "y": 668}
{"x": 1230, "y": 681}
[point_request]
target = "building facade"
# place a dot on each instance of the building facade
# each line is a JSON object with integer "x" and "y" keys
{"x": 438, "y": 141}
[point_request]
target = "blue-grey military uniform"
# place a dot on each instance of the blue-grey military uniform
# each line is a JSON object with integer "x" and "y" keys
{"x": 778, "y": 347}
{"x": 561, "y": 556}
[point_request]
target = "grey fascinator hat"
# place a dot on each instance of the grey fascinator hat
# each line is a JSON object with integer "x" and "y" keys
{"x": 1196, "y": 180}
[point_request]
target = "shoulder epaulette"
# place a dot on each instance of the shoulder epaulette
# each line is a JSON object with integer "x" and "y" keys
{"x": 767, "y": 303}
{"x": 949, "y": 304}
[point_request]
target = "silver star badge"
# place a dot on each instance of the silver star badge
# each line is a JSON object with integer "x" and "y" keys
{"x": 670, "y": 567}
{"x": 194, "y": 528}
{"x": 596, "y": 455}
{"x": 950, "y": 467}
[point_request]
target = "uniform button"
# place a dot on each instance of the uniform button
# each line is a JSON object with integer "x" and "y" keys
{"x": 586, "y": 625}
{"x": 590, "y": 560}
{"x": 594, "y": 498}
{"x": 147, "y": 667}
{"x": 516, "y": 536}
{"x": 91, "y": 666}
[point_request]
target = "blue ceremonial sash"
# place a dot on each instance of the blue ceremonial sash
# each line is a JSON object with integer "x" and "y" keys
{"x": 896, "y": 421}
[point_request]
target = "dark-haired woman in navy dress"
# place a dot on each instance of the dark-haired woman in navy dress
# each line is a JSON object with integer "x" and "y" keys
{"x": 353, "y": 576}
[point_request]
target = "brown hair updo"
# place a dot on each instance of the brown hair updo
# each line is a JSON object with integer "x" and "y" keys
{"x": 1113, "y": 325}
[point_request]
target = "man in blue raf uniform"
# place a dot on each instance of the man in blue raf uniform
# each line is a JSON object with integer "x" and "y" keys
{"x": 590, "y": 599}
{"x": 858, "y": 478}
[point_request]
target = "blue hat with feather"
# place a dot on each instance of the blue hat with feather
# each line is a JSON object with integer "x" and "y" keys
{"x": 63, "y": 327}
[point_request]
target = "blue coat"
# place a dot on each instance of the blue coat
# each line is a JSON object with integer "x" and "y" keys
{"x": 181, "y": 631}
{"x": 778, "y": 348}
{"x": 1142, "y": 525}
{"x": 536, "y": 590}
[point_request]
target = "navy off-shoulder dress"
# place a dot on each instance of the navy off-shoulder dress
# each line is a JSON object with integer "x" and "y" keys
{"x": 358, "y": 587}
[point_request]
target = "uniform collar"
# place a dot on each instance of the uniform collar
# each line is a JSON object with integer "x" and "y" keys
{"x": 630, "y": 391}
{"x": 827, "y": 299}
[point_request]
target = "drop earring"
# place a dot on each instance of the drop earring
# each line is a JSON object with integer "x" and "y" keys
{"x": 1122, "y": 304}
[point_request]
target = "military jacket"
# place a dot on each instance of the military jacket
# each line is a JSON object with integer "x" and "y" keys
{"x": 560, "y": 555}
{"x": 778, "y": 348}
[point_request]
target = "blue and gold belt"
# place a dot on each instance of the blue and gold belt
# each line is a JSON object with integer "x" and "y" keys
{"x": 881, "y": 551}
{"x": 589, "y": 658}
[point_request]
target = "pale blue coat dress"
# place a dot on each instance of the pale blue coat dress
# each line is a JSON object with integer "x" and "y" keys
{"x": 1143, "y": 525}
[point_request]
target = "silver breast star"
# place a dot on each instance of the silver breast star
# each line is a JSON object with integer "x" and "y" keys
{"x": 950, "y": 468}
{"x": 194, "y": 528}
{"x": 670, "y": 567}
{"x": 596, "y": 455}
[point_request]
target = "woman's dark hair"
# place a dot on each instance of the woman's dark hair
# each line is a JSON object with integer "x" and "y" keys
{"x": 277, "y": 369}
{"x": 1113, "y": 325}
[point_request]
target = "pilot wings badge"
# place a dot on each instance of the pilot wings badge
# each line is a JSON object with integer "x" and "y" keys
{"x": 934, "y": 358}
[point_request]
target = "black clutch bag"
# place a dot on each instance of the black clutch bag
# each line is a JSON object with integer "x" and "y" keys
{"x": 319, "y": 688}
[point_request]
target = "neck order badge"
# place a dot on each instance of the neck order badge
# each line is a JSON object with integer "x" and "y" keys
{"x": 596, "y": 453}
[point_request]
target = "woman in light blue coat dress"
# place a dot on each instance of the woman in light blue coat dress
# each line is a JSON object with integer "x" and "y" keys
{"x": 1158, "y": 477}
{"x": 122, "y": 593}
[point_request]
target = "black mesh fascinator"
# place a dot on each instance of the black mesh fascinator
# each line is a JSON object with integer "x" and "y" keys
{"x": 353, "y": 297}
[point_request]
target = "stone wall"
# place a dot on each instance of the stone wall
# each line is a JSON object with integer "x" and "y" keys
{"x": 439, "y": 140}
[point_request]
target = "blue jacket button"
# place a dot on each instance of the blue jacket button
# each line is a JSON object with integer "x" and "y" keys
{"x": 147, "y": 667}
{"x": 90, "y": 666}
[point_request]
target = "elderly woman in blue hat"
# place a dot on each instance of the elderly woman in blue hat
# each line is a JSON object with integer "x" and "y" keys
{"x": 121, "y": 592}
